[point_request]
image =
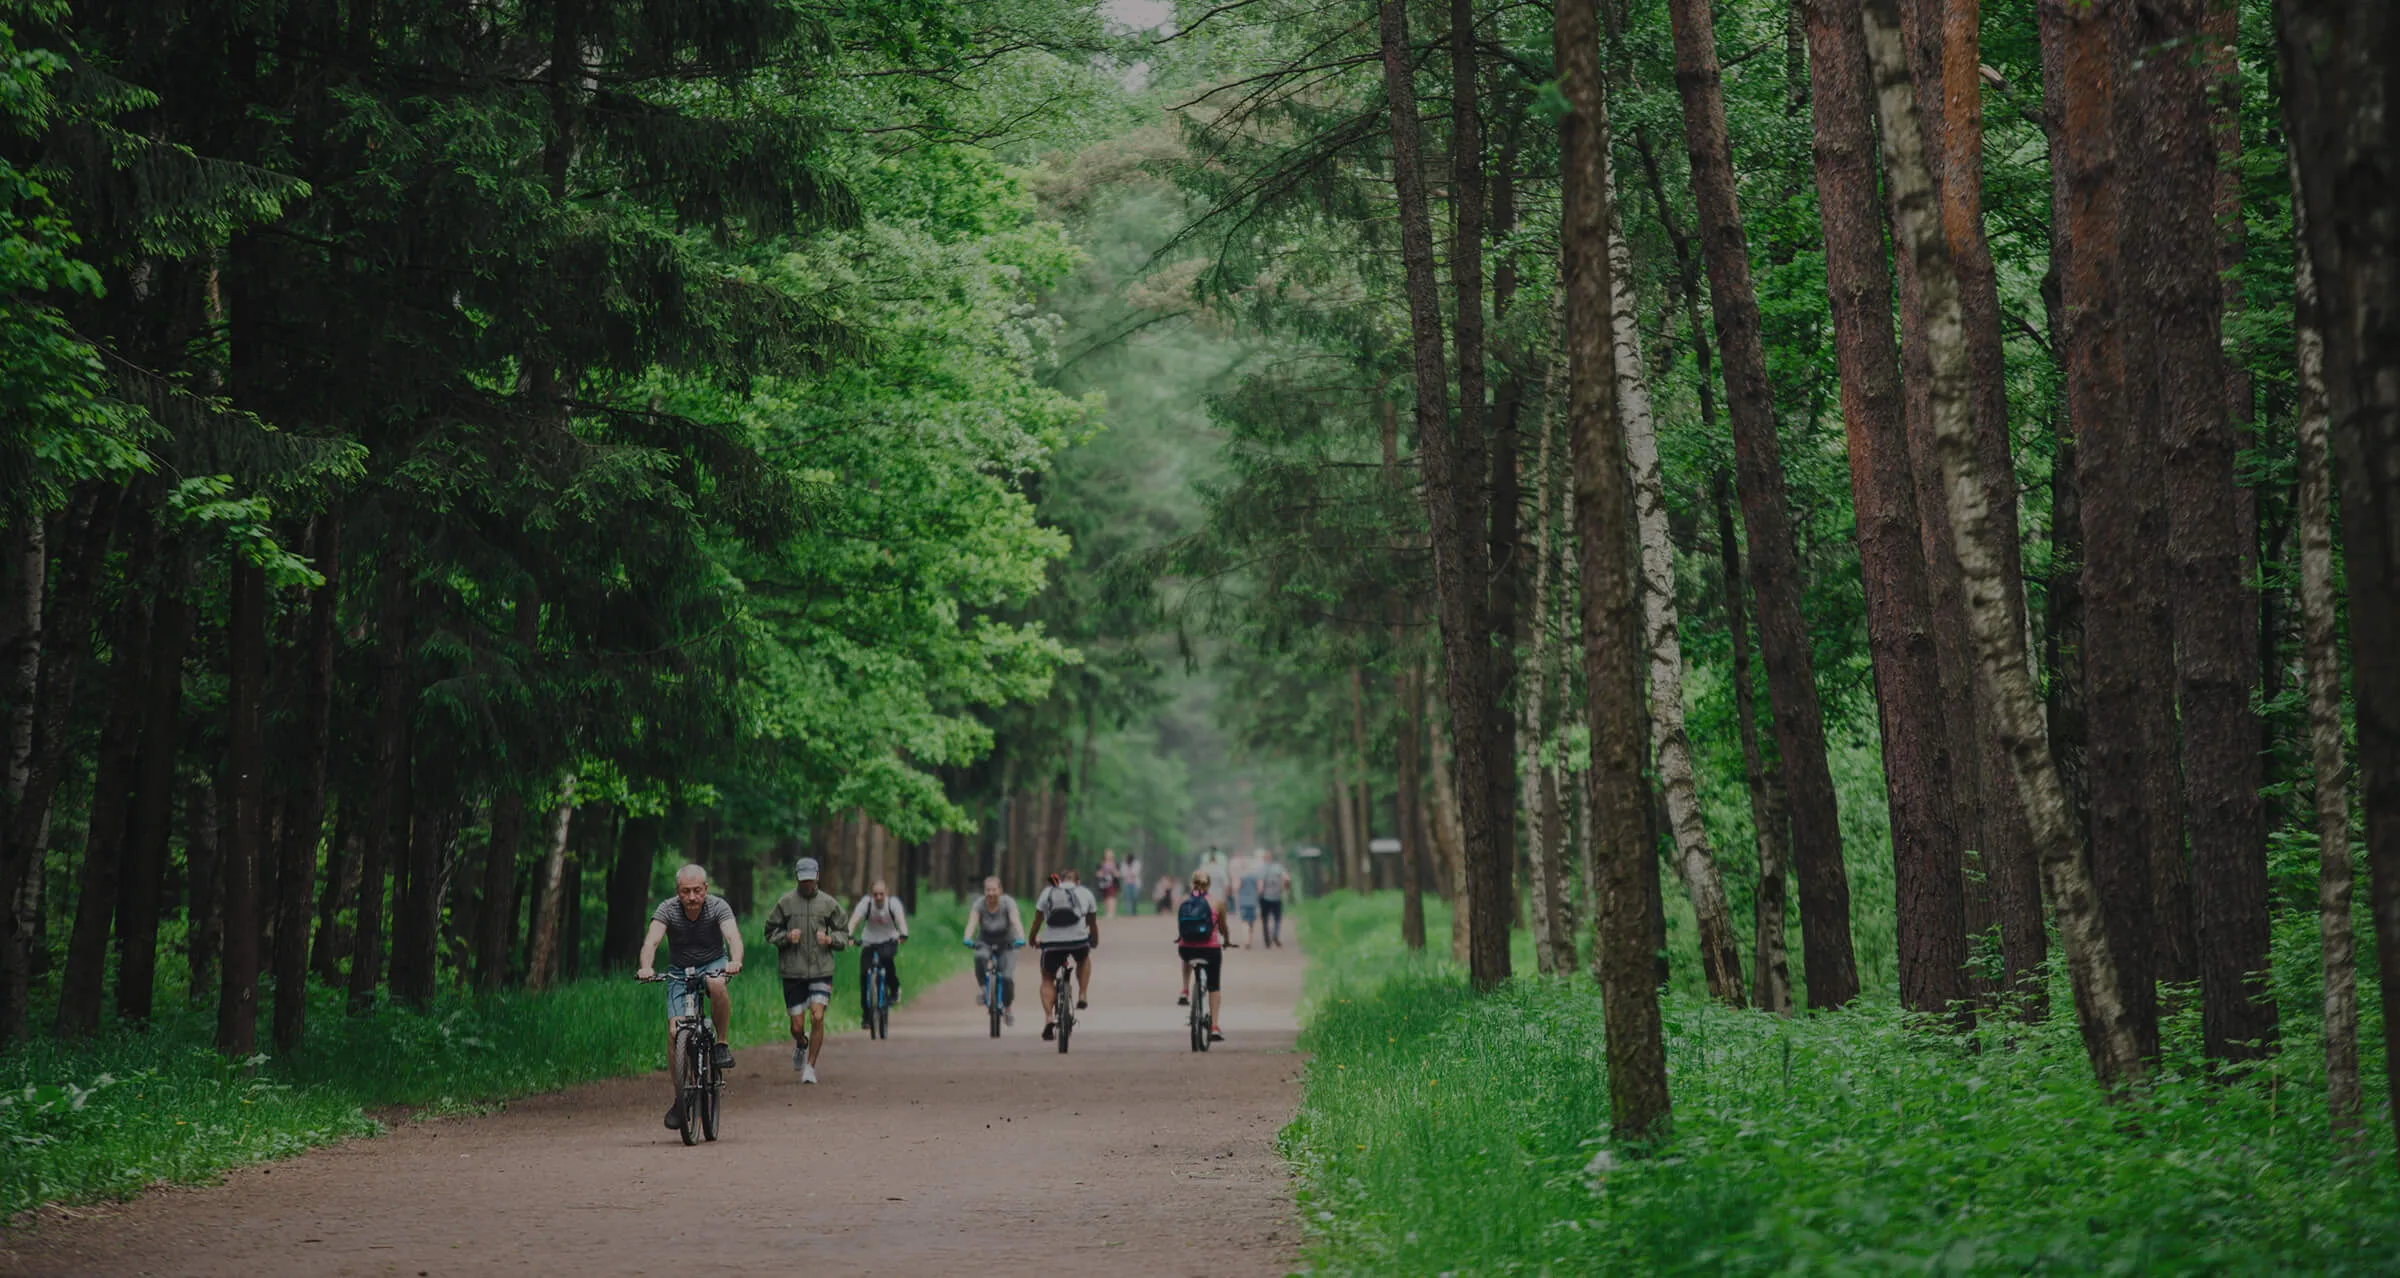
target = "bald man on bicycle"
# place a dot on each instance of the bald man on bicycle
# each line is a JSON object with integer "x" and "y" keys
{"x": 700, "y": 932}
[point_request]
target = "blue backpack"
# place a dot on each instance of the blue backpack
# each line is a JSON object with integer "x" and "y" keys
{"x": 1195, "y": 919}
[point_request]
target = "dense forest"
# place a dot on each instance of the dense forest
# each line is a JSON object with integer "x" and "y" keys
{"x": 1792, "y": 502}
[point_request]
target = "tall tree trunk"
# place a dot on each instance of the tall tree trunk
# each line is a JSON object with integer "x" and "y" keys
{"x": 2214, "y": 611}
{"x": 1452, "y": 463}
{"x": 204, "y": 893}
{"x": 629, "y": 902}
{"x": 1365, "y": 809}
{"x": 507, "y": 837}
{"x": 416, "y": 927}
{"x": 104, "y": 850}
{"x": 541, "y": 965}
{"x": 339, "y": 889}
{"x": 305, "y": 831}
{"x": 1611, "y": 586}
{"x": 1533, "y": 694}
{"x": 245, "y": 778}
{"x": 2000, "y": 644}
{"x": 1771, "y": 974}
{"x": 1696, "y": 861}
{"x": 1408, "y": 799}
{"x": 152, "y": 817}
{"x": 1450, "y": 838}
{"x": 1345, "y": 833}
{"x": 1831, "y": 967}
{"x": 1916, "y": 718}
{"x": 2320, "y": 653}
{"x": 2341, "y": 74}
{"x": 387, "y": 795}
{"x": 2118, "y": 693}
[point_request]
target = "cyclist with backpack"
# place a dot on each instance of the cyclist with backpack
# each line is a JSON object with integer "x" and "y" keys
{"x": 880, "y": 923}
{"x": 1200, "y": 934}
{"x": 994, "y": 925}
{"x": 1070, "y": 923}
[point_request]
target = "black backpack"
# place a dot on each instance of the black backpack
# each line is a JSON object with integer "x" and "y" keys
{"x": 1195, "y": 919}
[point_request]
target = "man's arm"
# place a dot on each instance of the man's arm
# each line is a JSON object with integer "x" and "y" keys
{"x": 857, "y": 912}
{"x": 657, "y": 933}
{"x": 900, "y": 917}
{"x": 731, "y": 929}
{"x": 837, "y": 933}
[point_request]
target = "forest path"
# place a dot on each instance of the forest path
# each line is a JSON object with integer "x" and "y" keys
{"x": 939, "y": 1150}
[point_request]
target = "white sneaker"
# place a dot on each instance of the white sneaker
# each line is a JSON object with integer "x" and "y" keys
{"x": 808, "y": 1073}
{"x": 1008, "y": 1016}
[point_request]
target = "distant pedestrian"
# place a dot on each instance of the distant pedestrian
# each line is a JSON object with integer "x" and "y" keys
{"x": 1273, "y": 882}
{"x": 1246, "y": 900}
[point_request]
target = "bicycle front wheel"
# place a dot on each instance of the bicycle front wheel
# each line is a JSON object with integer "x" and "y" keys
{"x": 693, "y": 1067}
{"x": 710, "y": 1095}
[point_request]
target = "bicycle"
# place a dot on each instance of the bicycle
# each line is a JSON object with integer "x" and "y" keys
{"x": 1063, "y": 1010}
{"x": 996, "y": 983}
{"x": 878, "y": 997}
{"x": 694, "y": 1058}
{"x": 1199, "y": 971}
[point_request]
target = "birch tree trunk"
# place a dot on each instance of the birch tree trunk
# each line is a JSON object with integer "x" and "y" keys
{"x": 2321, "y": 659}
{"x": 1695, "y": 860}
{"x": 1532, "y": 696}
{"x": 542, "y": 967}
{"x": 1999, "y": 643}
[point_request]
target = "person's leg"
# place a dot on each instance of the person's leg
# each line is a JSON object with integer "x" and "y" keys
{"x": 816, "y": 1026}
{"x": 720, "y": 1009}
{"x": 1049, "y": 988}
{"x": 1216, "y": 1005}
{"x": 1083, "y": 977}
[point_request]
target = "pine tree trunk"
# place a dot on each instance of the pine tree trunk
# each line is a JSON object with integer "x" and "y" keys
{"x": 104, "y": 852}
{"x": 204, "y": 893}
{"x": 629, "y": 902}
{"x": 1450, "y": 838}
{"x": 1408, "y": 800}
{"x": 2000, "y": 644}
{"x": 304, "y": 833}
{"x": 1771, "y": 975}
{"x": 1532, "y": 703}
{"x": 1365, "y": 820}
{"x": 2341, "y": 73}
{"x": 541, "y": 965}
{"x": 2215, "y": 613}
{"x": 2118, "y": 692}
{"x": 1799, "y": 721}
{"x": 1453, "y": 469}
{"x": 245, "y": 769}
{"x": 153, "y": 795}
{"x": 1918, "y": 721}
{"x": 339, "y": 889}
{"x": 387, "y": 794}
{"x": 1611, "y": 587}
{"x": 2320, "y": 653}
{"x": 1678, "y": 776}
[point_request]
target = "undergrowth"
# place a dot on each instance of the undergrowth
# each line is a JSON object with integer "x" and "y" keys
{"x": 128, "y": 1109}
{"x": 1440, "y": 1133}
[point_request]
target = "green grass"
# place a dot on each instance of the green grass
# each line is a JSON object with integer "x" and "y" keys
{"x": 1444, "y": 1133}
{"x": 106, "y": 1118}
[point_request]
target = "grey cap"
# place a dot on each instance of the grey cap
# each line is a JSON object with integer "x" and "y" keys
{"x": 807, "y": 869}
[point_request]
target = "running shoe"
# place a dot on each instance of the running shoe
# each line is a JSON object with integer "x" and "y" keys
{"x": 675, "y": 1117}
{"x": 1183, "y": 1000}
{"x": 799, "y": 1054}
{"x": 1050, "y": 1031}
{"x": 724, "y": 1056}
{"x": 808, "y": 1073}
{"x": 1008, "y": 1016}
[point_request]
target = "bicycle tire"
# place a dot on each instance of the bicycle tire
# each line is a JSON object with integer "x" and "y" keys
{"x": 687, "y": 1044}
{"x": 1200, "y": 1009}
{"x": 993, "y": 996}
{"x": 1064, "y": 988}
{"x": 711, "y": 1097}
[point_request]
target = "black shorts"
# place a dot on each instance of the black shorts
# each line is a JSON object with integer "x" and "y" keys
{"x": 1054, "y": 958}
{"x": 1212, "y": 957}
{"x": 799, "y": 992}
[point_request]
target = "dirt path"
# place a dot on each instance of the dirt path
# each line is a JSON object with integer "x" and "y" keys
{"x": 938, "y": 1151}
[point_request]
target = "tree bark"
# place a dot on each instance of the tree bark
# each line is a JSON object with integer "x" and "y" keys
{"x": 1366, "y": 783}
{"x": 1771, "y": 975}
{"x": 1408, "y": 799}
{"x": 541, "y": 965}
{"x": 153, "y": 796}
{"x": 305, "y": 831}
{"x": 1450, "y": 839}
{"x": 1639, "y": 1107}
{"x": 245, "y": 769}
{"x": 1799, "y": 722}
{"x": 1918, "y": 721}
{"x": 204, "y": 892}
{"x": 1532, "y": 703}
{"x": 2342, "y": 73}
{"x": 387, "y": 797}
{"x": 1452, "y": 468}
{"x": 105, "y": 842}
{"x": 629, "y": 901}
{"x": 2215, "y": 613}
{"x": 2320, "y": 653}
{"x": 1999, "y": 644}
{"x": 1678, "y": 776}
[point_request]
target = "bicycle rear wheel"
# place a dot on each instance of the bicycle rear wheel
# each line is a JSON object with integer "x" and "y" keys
{"x": 1199, "y": 1009}
{"x": 1066, "y": 1005}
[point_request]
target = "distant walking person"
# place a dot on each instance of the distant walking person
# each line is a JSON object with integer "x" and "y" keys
{"x": 1105, "y": 881}
{"x": 1273, "y": 882}
{"x": 700, "y": 932}
{"x": 1129, "y": 884}
{"x": 810, "y": 928}
{"x": 1246, "y": 898}
{"x": 1165, "y": 895}
{"x": 880, "y": 924}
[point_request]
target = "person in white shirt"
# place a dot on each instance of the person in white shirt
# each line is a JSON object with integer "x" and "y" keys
{"x": 879, "y": 923}
{"x": 1070, "y": 926}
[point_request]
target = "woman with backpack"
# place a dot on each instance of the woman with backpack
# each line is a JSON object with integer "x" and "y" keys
{"x": 1200, "y": 934}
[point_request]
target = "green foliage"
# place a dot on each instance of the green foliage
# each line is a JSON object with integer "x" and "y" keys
{"x": 1443, "y": 1132}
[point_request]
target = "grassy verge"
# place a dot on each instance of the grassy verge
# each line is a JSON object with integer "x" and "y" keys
{"x": 1444, "y": 1133}
{"x": 106, "y": 1118}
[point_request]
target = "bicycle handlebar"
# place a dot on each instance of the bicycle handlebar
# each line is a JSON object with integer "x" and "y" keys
{"x": 687, "y": 974}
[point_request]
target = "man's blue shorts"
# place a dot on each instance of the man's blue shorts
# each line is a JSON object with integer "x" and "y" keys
{"x": 678, "y": 985}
